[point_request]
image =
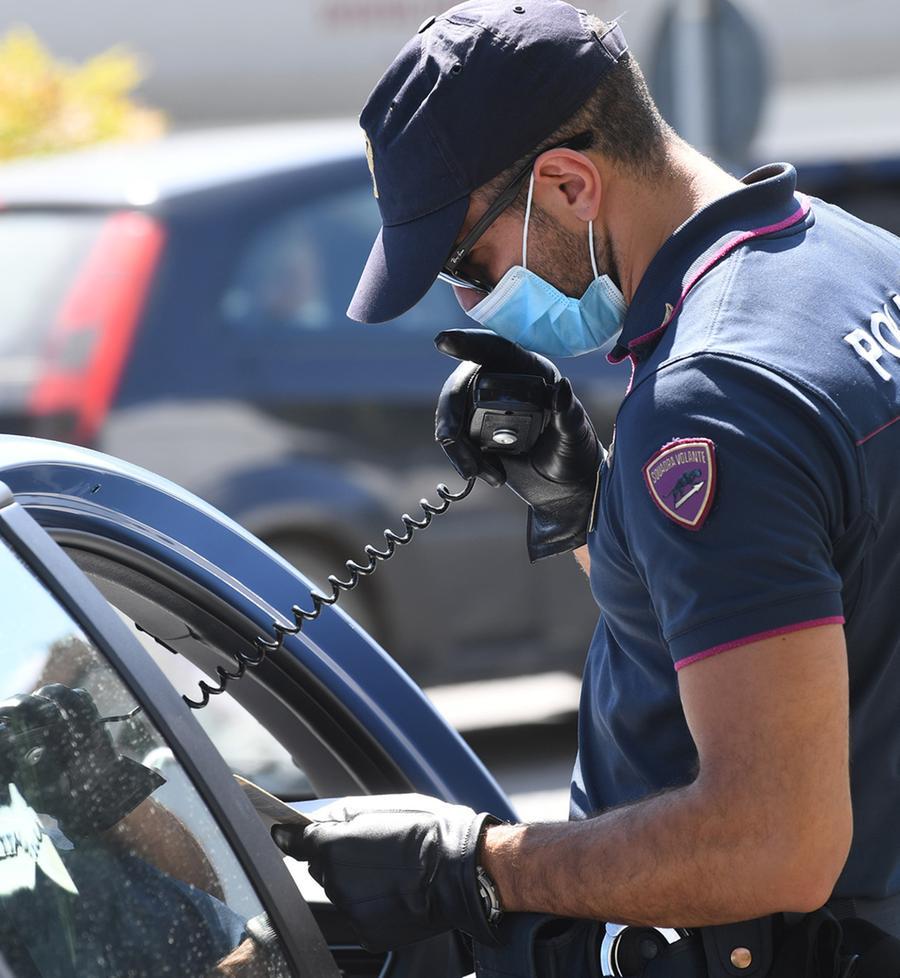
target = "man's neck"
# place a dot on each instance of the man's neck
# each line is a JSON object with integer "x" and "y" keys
{"x": 644, "y": 213}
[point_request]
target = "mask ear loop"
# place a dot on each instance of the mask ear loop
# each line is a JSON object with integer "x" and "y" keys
{"x": 527, "y": 219}
{"x": 591, "y": 247}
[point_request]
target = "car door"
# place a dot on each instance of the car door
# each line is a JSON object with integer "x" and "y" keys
{"x": 125, "y": 845}
{"x": 312, "y": 713}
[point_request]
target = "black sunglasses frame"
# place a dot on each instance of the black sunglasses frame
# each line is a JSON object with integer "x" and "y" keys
{"x": 449, "y": 272}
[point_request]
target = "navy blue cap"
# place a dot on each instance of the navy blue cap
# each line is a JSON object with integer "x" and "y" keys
{"x": 475, "y": 90}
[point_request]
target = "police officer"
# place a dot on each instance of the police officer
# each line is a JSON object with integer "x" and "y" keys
{"x": 738, "y": 743}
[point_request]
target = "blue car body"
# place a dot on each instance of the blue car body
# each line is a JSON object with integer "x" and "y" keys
{"x": 75, "y": 493}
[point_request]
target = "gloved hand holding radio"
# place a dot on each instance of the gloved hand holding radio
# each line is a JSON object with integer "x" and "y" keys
{"x": 57, "y": 750}
{"x": 400, "y": 867}
{"x": 557, "y": 477}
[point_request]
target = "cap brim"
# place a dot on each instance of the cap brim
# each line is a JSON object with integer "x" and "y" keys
{"x": 404, "y": 262}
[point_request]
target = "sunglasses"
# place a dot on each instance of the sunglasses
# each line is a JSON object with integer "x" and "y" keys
{"x": 450, "y": 272}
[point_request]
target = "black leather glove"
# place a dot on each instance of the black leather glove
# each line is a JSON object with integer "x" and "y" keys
{"x": 55, "y": 748}
{"x": 400, "y": 867}
{"x": 558, "y": 477}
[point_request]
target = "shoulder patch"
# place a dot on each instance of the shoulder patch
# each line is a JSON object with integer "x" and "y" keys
{"x": 681, "y": 479}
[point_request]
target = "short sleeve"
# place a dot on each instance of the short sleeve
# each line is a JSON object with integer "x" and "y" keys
{"x": 736, "y": 483}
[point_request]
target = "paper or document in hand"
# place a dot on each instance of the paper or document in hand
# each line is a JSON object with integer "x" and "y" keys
{"x": 270, "y": 808}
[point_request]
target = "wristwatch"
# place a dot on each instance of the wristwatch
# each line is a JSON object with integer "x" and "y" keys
{"x": 490, "y": 897}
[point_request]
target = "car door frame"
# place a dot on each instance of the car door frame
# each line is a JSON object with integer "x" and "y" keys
{"x": 81, "y": 496}
{"x": 292, "y": 918}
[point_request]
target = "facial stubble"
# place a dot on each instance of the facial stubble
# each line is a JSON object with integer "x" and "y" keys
{"x": 561, "y": 256}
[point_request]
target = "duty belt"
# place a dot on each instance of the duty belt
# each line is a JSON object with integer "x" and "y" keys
{"x": 849, "y": 938}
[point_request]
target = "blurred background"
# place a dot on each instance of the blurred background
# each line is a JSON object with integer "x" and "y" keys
{"x": 184, "y": 210}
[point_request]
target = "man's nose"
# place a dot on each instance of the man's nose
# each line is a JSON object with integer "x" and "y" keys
{"x": 467, "y": 297}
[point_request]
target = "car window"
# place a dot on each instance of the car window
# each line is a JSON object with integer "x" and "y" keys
{"x": 110, "y": 862}
{"x": 297, "y": 273}
{"x": 247, "y": 747}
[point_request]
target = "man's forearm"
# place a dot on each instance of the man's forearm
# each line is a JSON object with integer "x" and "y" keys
{"x": 245, "y": 961}
{"x": 676, "y": 859}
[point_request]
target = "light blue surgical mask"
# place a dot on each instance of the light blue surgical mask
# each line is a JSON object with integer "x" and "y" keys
{"x": 530, "y": 311}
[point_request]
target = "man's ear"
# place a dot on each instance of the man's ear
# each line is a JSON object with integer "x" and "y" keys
{"x": 567, "y": 184}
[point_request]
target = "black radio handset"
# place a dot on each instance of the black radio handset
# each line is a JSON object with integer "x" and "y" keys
{"x": 510, "y": 411}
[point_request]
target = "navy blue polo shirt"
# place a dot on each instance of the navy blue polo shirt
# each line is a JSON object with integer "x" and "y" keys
{"x": 752, "y": 489}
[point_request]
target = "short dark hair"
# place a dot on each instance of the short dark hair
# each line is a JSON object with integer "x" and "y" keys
{"x": 621, "y": 117}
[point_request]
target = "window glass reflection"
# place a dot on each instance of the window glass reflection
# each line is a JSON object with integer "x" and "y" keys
{"x": 298, "y": 272}
{"x": 110, "y": 863}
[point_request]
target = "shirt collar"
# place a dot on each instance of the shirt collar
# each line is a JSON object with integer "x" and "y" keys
{"x": 766, "y": 198}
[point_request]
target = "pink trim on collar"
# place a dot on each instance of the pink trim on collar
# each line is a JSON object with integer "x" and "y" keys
{"x": 723, "y": 252}
{"x": 758, "y": 637}
{"x": 633, "y": 359}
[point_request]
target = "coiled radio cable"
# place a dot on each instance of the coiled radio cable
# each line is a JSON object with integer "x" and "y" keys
{"x": 265, "y": 646}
